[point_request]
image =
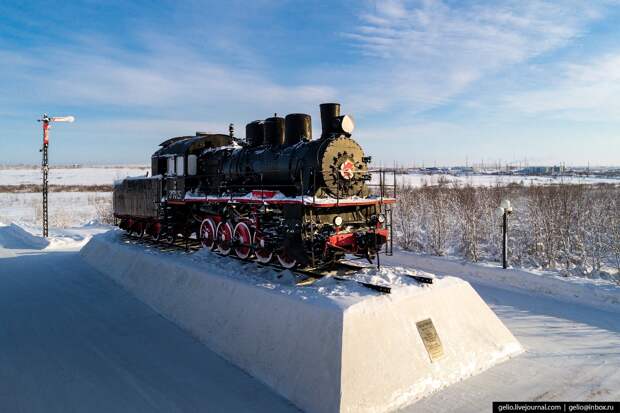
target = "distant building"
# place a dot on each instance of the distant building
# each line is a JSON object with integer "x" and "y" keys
{"x": 541, "y": 170}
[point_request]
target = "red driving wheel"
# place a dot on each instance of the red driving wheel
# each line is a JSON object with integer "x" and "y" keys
{"x": 244, "y": 240}
{"x": 155, "y": 231}
{"x": 263, "y": 254}
{"x": 224, "y": 236}
{"x": 207, "y": 233}
{"x": 286, "y": 260}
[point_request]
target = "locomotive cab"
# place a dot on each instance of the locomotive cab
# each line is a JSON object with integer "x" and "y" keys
{"x": 177, "y": 161}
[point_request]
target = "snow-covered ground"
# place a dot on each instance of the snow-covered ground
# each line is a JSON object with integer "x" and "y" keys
{"x": 74, "y": 340}
{"x": 71, "y": 340}
{"x": 106, "y": 175}
{"x": 103, "y": 175}
{"x": 66, "y": 209}
{"x": 421, "y": 179}
{"x": 596, "y": 292}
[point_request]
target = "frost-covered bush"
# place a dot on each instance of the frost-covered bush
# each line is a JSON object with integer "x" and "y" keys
{"x": 103, "y": 209}
{"x": 567, "y": 227}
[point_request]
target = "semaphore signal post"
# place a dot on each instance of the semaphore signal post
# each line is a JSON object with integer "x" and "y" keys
{"x": 45, "y": 121}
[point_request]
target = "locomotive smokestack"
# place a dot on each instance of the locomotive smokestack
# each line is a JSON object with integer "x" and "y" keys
{"x": 329, "y": 112}
{"x": 332, "y": 123}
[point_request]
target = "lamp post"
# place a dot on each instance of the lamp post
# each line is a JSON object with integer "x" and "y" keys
{"x": 45, "y": 121}
{"x": 503, "y": 211}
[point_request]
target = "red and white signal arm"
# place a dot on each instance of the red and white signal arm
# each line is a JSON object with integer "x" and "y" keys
{"x": 63, "y": 119}
{"x": 46, "y": 125}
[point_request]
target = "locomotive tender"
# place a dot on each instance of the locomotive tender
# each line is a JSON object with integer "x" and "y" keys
{"x": 278, "y": 194}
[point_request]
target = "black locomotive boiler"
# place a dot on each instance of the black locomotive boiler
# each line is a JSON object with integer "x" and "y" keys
{"x": 278, "y": 194}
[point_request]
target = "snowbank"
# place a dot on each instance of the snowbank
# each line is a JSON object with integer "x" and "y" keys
{"x": 15, "y": 237}
{"x": 330, "y": 347}
{"x": 22, "y": 236}
{"x": 599, "y": 293}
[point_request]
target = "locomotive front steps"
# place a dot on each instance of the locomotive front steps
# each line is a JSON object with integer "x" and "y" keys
{"x": 348, "y": 350}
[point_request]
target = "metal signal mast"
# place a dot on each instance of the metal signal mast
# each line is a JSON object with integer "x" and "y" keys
{"x": 45, "y": 120}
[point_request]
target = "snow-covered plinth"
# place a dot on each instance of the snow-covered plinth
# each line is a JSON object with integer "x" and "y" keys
{"x": 330, "y": 347}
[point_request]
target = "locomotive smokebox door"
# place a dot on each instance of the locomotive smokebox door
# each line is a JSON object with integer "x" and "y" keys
{"x": 343, "y": 168}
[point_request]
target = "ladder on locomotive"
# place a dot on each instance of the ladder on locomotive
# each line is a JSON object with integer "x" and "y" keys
{"x": 165, "y": 211}
{"x": 386, "y": 209}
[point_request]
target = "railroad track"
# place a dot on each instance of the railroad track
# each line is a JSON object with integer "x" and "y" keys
{"x": 339, "y": 271}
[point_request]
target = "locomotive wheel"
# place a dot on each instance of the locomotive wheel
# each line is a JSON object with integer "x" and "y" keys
{"x": 207, "y": 233}
{"x": 286, "y": 260}
{"x": 224, "y": 237}
{"x": 244, "y": 239}
{"x": 137, "y": 230}
{"x": 140, "y": 230}
{"x": 263, "y": 255}
{"x": 155, "y": 231}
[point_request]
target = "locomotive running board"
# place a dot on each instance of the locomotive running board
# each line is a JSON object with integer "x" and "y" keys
{"x": 309, "y": 280}
{"x": 306, "y": 281}
{"x": 420, "y": 278}
{"x": 380, "y": 288}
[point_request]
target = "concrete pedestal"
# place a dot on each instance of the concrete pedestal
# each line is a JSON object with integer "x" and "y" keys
{"x": 357, "y": 352}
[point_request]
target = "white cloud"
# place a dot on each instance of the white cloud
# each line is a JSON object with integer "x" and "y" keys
{"x": 418, "y": 55}
{"x": 425, "y": 53}
{"x": 167, "y": 76}
{"x": 588, "y": 91}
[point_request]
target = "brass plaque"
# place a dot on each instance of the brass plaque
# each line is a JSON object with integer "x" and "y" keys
{"x": 430, "y": 338}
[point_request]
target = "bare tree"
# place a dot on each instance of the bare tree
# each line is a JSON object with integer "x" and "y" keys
{"x": 572, "y": 228}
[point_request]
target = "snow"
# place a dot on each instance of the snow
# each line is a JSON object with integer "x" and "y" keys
{"x": 277, "y": 196}
{"x": 600, "y": 293}
{"x": 14, "y": 236}
{"x": 104, "y": 175}
{"x": 104, "y": 349}
{"x": 420, "y": 179}
{"x": 66, "y": 209}
{"x": 73, "y": 341}
{"x": 273, "y": 329}
{"x": 571, "y": 354}
{"x": 327, "y": 291}
{"x": 234, "y": 145}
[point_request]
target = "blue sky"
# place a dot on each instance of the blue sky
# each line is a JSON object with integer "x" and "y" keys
{"x": 433, "y": 82}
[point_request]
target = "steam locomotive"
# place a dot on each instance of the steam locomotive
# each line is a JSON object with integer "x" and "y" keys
{"x": 278, "y": 194}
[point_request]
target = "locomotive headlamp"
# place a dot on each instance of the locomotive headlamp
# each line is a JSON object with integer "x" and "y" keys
{"x": 338, "y": 221}
{"x": 377, "y": 219}
{"x": 342, "y": 124}
{"x": 346, "y": 124}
